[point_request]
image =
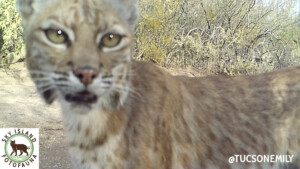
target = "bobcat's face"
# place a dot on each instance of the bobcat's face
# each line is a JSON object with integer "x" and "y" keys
{"x": 80, "y": 53}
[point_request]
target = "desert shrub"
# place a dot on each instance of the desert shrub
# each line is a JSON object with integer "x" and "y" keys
{"x": 11, "y": 40}
{"x": 223, "y": 37}
{"x": 156, "y": 29}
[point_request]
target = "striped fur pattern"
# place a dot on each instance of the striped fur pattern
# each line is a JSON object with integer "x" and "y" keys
{"x": 125, "y": 114}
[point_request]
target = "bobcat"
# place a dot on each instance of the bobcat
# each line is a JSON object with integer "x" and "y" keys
{"x": 16, "y": 147}
{"x": 120, "y": 113}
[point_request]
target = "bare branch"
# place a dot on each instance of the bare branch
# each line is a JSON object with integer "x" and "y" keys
{"x": 205, "y": 13}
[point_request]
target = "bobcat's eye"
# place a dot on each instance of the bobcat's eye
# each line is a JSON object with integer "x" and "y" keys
{"x": 110, "y": 40}
{"x": 57, "y": 36}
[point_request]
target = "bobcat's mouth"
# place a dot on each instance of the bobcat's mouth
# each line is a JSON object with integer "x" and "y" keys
{"x": 83, "y": 97}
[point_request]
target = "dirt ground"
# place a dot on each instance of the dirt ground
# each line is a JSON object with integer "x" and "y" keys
{"x": 21, "y": 107}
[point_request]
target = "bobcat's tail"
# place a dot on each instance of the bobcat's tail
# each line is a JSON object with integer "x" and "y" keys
{"x": 28, "y": 147}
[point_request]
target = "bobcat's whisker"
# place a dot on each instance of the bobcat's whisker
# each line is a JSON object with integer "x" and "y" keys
{"x": 108, "y": 81}
{"x": 39, "y": 80}
{"x": 46, "y": 89}
{"x": 99, "y": 90}
{"x": 129, "y": 73}
{"x": 38, "y": 72}
{"x": 127, "y": 89}
{"x": 43, "y": 86}
{"x": 63, "y": 85}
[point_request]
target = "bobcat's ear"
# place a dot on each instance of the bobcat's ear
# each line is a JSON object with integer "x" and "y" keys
{"x": 128, "y": 10}
{"x": 26, "y": 8}
{"x": 132, "y": 13}
{"x": 134, "y": 16}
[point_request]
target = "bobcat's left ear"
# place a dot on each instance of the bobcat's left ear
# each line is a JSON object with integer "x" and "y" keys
{"x": 128, "y": 10}
{"x": 133, "y": 15}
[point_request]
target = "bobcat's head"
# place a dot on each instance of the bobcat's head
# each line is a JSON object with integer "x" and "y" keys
{"x": 79, "y": 51}
{"x": 12, "y": 142}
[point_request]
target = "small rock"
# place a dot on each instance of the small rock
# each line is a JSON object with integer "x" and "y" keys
{"x": 57, "y": 165}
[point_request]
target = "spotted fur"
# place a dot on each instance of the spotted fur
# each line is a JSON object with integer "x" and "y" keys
{"x": 135, "y": 115}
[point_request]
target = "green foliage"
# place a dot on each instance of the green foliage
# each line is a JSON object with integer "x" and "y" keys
{"x": 155, "y": 31}
{"x": 223, "y": 37}
{"x": 11, "y": 40}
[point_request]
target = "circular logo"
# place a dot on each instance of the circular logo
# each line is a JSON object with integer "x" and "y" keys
{"x": 19, "y": 148}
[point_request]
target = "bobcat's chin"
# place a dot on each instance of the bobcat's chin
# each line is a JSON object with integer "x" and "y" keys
{"x": 77, "y": 107}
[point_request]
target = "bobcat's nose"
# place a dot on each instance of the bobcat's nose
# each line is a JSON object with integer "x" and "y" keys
{"x": 86, "y": 75}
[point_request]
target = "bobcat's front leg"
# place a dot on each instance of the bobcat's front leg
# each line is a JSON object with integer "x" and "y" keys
{"x": 14, "y": 151}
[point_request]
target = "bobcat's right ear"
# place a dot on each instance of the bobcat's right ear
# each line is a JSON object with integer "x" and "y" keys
{"x": 26, "y": 8}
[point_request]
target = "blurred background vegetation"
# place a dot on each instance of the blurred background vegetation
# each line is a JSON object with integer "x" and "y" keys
{"x": 11, "y": 40}
{"x": 218, "y": 36}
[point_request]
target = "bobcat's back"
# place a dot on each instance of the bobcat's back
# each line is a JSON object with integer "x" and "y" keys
{"x": 120, "y": 113}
